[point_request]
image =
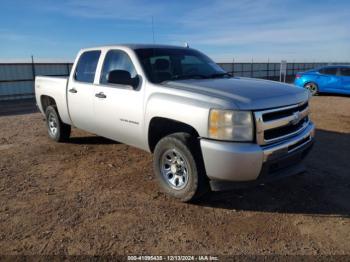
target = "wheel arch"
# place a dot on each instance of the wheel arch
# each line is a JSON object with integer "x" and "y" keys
{"x": 46, "y": 101}
{"x": 311, "y": 81}
{"x": 160, "y": 127}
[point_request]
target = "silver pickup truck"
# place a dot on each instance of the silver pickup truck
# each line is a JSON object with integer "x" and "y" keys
{"x": 206, "y": 128}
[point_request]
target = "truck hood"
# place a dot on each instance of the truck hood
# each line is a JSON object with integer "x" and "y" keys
{"x": 245, "y": 93}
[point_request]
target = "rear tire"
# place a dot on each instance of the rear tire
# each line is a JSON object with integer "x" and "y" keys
{"x": 179, "y": 168}
{"x": 57, "y": 130}
{"x": 312, "y": 87}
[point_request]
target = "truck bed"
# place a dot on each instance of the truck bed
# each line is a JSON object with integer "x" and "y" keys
{"x": 55, "y": 87}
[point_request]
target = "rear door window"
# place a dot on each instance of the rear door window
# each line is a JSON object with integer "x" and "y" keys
{"x": 86, "y": 67}
{"x": 329, "y": 71}
{"x": 344, "y": 71}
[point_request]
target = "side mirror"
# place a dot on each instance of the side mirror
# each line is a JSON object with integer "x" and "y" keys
{"x": 122, "y": 77}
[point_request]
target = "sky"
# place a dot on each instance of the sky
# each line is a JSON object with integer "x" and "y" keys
{"x": 226, "y": 30}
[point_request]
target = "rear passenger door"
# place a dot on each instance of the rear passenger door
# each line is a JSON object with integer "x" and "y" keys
{"x": 344, "y": 73}
{"x": 328, "y": 79}
{"x": 80, "y": 93}
{"x": 119, "y": 108}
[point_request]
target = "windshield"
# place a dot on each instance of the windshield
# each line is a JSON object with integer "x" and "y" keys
{"x": 164, "y": 64}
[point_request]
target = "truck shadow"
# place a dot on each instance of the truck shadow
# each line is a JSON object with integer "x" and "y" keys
{"x": 91, "y": 140}
{"x": 323, "y": 190}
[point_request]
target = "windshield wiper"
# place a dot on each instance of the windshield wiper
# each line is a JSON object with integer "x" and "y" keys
{"x": 220, "y": 75}
{"x": 193, "y": 76}
{"x": 197, "y": 76}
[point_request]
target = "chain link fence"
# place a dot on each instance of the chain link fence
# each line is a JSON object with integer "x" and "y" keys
{"x": 270, "y": 71}
{"x": 17, "y": 79}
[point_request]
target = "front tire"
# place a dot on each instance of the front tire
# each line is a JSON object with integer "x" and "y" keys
{"x": 312, "y": 87}
{"x": 179, "y": 168}
{"x": 57, "y": 130}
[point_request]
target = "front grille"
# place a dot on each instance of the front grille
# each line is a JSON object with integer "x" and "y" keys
{"x": 277, "y": 124}
{"x": 284, "y": 130}
{"x": 279, "y": 114}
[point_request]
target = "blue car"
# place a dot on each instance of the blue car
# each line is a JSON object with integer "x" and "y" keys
{"x": 329, "y": 79}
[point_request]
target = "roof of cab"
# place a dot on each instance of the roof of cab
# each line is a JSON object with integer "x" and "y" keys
{"x": 135, "y": 46}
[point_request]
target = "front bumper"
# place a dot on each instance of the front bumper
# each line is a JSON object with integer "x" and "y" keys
{"x": 247, "y": 162}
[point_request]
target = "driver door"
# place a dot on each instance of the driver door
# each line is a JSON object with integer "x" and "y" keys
{"x": 118, "y": 108}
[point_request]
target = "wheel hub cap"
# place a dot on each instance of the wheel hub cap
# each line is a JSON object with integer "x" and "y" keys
{"x": 174, "y": 169}
{"x": 52, "y": 124}
{"x": 311, "y": 88}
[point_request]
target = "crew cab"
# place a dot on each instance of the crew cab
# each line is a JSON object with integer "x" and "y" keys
{"x": 207, "y": 129}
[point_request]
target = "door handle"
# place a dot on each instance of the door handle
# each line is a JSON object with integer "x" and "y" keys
{"x": 73, "y": 90}
{"x": 100, "y": 95}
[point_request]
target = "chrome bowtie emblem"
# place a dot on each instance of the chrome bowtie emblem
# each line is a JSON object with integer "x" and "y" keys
{"x": 296, "y": 118}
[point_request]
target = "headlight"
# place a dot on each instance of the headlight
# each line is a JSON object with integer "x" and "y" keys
{"x": 230, "y": 125}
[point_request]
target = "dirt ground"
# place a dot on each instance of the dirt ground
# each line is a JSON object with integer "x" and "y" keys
{"x": 94, "y": 196}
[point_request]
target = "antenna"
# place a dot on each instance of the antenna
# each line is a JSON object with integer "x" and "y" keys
{"x": 153, "y": 30}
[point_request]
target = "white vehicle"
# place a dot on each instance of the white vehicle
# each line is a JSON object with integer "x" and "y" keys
{"x": 206, "y": 129}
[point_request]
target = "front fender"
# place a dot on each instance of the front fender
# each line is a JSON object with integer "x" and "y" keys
{"x": 186, "y": 110}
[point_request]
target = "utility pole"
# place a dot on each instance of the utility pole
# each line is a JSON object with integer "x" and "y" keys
{"x": 233, "y": 66}
{"x": 33, "y": 67}
{"x": 251, "y": 68}
{"x": 33, "y": 72}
